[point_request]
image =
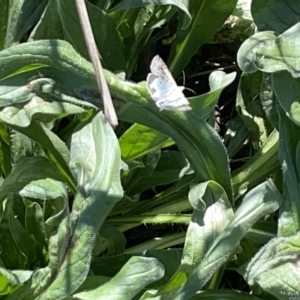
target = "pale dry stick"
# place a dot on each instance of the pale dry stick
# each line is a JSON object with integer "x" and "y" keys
{"x": 109, "y": 110}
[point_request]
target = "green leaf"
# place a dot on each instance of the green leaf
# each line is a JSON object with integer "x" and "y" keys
{"x": 115, "y": 239}
{"x": 139, "y": 140}
{"x": 91, "y": 283}
{"x": 262, "y": 200}
{"x": 181, "y": 4}
{"x": 74, "y": 76}
{"x": 44, "y": 189}
{"x": 35, "y": 226}
{"x": 49, "y": 25}
{"x": 23, "y": 121}
{"x": 136, "y": 274}
{"x": 34, "y": 286}
{"x": 207, "y": 223}
{"x": 48, "y": 189}
{"x": 95, "y": 152}
{"x": 235, "y": 136}
{"x": 289, "y": 220}
{"x": 207, "y": 17}
{"x": 19, "y": 178}
{"x": 204, "y": 104}
{"x": 22, "y": 16}
{"x": 281, "y": 83}
{"x": 274, "y": 268}
{"x": 275, "y": 15}
{"x": 266, "y": 52}
{"x": 250, "y": 108}
{"x": 11, "y": 280}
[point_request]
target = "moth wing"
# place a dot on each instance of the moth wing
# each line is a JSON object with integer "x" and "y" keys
{"x": 160, "y": 69}
{"x": 163, "y": 87}
{"x": 175, "y": 100}
{"x": 158, "y": 88}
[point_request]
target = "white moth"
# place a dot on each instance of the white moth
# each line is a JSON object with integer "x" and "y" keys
{"x": 163, "y": 88}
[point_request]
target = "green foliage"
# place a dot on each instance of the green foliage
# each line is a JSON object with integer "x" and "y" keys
{"x": 156, "y": 209}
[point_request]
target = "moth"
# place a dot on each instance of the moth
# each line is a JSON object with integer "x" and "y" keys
{"x": 163, "y": 88}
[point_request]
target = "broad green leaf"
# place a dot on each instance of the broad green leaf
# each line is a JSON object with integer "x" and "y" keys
{"x": 249, "y": 107}
{"x": 114, "y": 238}
{"x": 170, "y": 258}
{"x": 207, "y": 17}
{"x": 281, "y": 83}
{"x": 20, "y": 177}
{"x": 11, "y": 280}
{"x": 49, "y": 25}
{"x": 274, "y": 268}
{"x": 269, "y": 101}
{"x": 289, "y": 219}
{"x": 208, "y": 221}
{"x": 24, "y": 121}
{"x": 42, "y": 92}
{"x": 34, "y": 286}
{"x": 181, "y": 4}
{"x": 235, "y": 136}
{"x": 267, "y": 52}
{"x": 44, "y": 189}
{"x": 91, "y": 283}
{"x": 106, "y": 37}
{"x": 139, "y": 140}
{"x": 136, "y": 274}
{"x": 262, "y": 200}
{"x": 35, "y": 227}
{"x": 110, "y": 266}
{"x": 22, "y": 16}
{"x": 49, "y": 189}
{"x": 73, "y": 74}
{"x": 96, "y": 156}
{"x": 204, "y": 104}
{"x": 276, "y": 15}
